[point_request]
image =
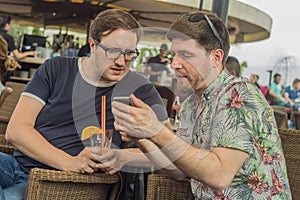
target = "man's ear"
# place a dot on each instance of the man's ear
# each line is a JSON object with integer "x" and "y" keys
{"x": 92, "y": 44}
{"x": 218, "y": 56}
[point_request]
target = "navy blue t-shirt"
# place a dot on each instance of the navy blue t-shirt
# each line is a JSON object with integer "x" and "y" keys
{"x": 72, "y": 102}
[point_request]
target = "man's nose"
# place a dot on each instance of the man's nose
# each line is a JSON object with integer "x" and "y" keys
{"x": 120, "y": 60}
{"x": 176, "y": 64}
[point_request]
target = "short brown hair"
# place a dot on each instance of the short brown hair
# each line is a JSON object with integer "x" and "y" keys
{"x": 201, "y": 32}
{"x": 233, "y": 64}
{"x": 296, "y": 81}
{"x": 111, "y": 20}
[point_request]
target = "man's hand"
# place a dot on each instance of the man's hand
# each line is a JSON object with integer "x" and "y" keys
{"x": 83, "y": 162}
{"x": 137, "y": 121}
{"x": 108, "y": 160}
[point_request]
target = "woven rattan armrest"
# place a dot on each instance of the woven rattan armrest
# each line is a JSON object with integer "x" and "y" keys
{"x": 5, "y": 146}
{"x": 53, "y": 184}
{"x": 163, "y": 187}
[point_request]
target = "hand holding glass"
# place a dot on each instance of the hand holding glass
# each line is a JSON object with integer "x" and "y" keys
{"x": 96, "y": 140}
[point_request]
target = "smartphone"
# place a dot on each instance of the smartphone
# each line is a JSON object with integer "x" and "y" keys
{"x": 123, "y": 99}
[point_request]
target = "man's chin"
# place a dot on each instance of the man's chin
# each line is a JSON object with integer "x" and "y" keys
{"x": 183, "y": 84}
{"x": 112, "y": 78}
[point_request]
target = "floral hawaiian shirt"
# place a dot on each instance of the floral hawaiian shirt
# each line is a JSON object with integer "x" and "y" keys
{"x": 236, "y": 115}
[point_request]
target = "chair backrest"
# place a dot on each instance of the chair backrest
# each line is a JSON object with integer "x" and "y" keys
{"x": 6, "y": 147}
{"x": 297, "y": 119}
{"x": 63, "y": 185}
{"x": 163, "y": 187}
{"x": 290, "y": 139}
{"x": 11, "y": 100}
{"x": 5, "y": 92}
{"x": 281, "y": 119}
{"x": 10, "y": 103}
{"x": 168, "y": 97}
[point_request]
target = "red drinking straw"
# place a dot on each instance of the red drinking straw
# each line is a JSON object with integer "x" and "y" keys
{"x": 103, "y": 120}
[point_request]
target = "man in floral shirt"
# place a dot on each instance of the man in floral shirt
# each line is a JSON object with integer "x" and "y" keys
{"x": 237, "y": 116}
{"x": 227, "y": 143}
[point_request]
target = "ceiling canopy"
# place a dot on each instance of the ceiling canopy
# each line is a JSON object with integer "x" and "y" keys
{"x": 245, "y": 23}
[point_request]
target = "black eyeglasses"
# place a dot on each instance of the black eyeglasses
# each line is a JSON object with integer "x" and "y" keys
{"x": 115, "y": 53}
{"x": 196, "y": 17}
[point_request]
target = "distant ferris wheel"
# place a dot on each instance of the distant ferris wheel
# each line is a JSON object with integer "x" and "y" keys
{"x": 283, "y": 65}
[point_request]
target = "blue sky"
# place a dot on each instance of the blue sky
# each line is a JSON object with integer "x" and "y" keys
{"x": 284, "y": 41}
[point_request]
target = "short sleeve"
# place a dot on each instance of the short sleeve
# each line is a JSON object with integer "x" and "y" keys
{"x": 11, "y": 43}
{"x": 273, "y": 86}
{"x": 41, "y": 84}
{"x": 287, "y": 90}
{"x": 137, "y": 84}
{"x": 150, "y": 96}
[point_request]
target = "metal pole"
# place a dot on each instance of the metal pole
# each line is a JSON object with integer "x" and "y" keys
{"x": 200, "y": 5}
{"x": 286, "y": 69}
{"x": 220, "y": 7}
{"x": 270, "y": 76}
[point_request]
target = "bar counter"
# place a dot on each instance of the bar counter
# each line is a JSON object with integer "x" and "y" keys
{"x": 27, "y": 63}
{"x": 32, "y": 60}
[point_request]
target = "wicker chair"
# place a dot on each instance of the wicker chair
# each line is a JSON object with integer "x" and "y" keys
{"x": 168, "y": 97}
{"x": 10, "y": 103}
{"x": 290, "y": 139}
{"x": 297, "y": 119}
{"x": 5, "y": 92}
{"x": 60, "y": 185}
{"x": 281, "y": 119}
{"x": 279, "y": 108}
{"x": 5, "y": 146}
{"x": 163, "y": 187}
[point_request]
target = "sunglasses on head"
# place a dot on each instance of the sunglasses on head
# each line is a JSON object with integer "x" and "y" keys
{"x": 196, "y": 17}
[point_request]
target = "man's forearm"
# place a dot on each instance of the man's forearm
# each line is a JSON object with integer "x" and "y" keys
{"x": 210, "y": 167}
{"x": 135, "y": 158}
{"x": 50, "y": 155}
{"x": 161, "y": 162}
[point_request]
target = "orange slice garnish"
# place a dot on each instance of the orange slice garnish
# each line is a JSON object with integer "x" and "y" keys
{"x": 88, "y": 131}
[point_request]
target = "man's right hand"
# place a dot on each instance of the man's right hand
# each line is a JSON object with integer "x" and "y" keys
{"x": 83, "y": 162}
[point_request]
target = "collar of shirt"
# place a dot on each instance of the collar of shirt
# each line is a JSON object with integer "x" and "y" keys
{"x": 216, "y": 86}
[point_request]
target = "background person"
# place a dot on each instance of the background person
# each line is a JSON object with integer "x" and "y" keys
{"x": 5, "y": 27}
{"x": 156, "y": 65}
{"x": 64, "y": 97}
{"x": 292, "y": 95}
{"x": 233, "y": 66}
{"x": 84, "y": 50}
{"x": 254, "y": 79}
{"x": 7, "y": 64}
{"x": 226, "y": 153}
{"x": 275, "y": 91}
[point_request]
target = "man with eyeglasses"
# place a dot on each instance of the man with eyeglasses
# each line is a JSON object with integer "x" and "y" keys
{"x": 64, "y": 97}
{"x": 227, "y": 144}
